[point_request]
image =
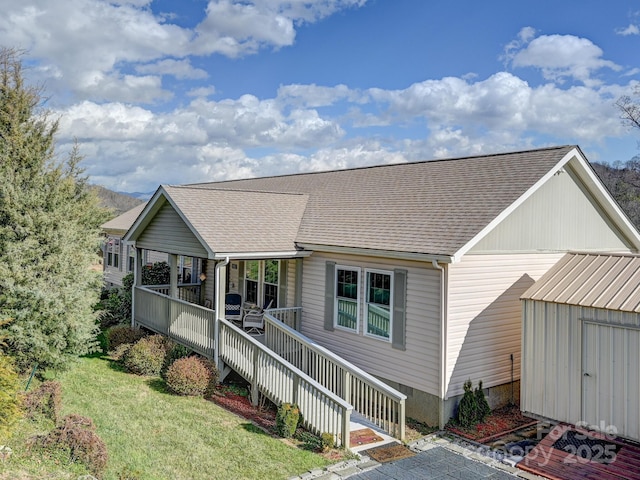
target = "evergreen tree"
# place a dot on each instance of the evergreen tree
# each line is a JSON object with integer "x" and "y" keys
{"x": 49, "y": 233}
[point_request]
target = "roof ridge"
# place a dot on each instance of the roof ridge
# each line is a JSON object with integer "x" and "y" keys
{"x": 387, "y": 165}
{"x": 203, "y": 186}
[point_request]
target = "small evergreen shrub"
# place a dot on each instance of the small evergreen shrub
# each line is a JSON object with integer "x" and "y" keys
{"x": 10, "y": 402}
{"x": 77, "y": 436}
{"x": 327, "y": 441}
{"x": 120, "y": 352}
{"x": 473, "y": 406}
{"x": 191, "y": 376}
{"x": 45, "y": 400}
{"x": 146, "y": 356}
{"x": 116, "y": 336}
{"x": 287, "y": 419}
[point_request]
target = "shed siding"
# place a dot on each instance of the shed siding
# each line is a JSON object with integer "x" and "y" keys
{"x": 553, "y": 353}
{"x": 418, "y": 366}
{"x": 484, "y": 316}
{"x": 559, "y": 216}
{"x": 167, "y": 232}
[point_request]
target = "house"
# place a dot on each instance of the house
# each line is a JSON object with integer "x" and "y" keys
{"x": 581, "y": 343}
{"x": 410, "y": 272}
{"x": 119, "y": 259}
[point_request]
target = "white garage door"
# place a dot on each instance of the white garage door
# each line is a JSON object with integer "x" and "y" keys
{"x": 611, "y": 378}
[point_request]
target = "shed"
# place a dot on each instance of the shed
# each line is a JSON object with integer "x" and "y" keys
{"x": 581, "y": 343}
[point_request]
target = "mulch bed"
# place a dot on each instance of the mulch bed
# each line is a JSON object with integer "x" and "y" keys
{"x": 498, "y": 423}
{"x": 230, "y": 399}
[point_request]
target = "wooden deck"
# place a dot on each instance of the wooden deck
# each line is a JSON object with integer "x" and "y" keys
{"x": 599, "y": 457}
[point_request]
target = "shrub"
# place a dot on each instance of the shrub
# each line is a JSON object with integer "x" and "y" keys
{"x": 287, "y": 419}
{"x": 120, "y": 334}
{"x": 116, "y": 303}
{"x": 146, "y": 356}
{"x": 45, "y": 400}
{"x": 120, "y": 352}
{"x": 327, "y": 441}
{"x": 176, "y": 352}
{"x": 77, "y": 435}
{"x": 10, "y": 408}
{"x": 473, "y": 406}
{"x": 191, "y": 376}
{"x": 156, "y": 274}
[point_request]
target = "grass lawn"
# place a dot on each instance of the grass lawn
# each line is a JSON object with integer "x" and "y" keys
{"x": 152, "y": 434}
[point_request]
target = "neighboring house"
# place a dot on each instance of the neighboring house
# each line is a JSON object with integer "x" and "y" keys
{"x": 581, "y": 343}
{"x": 412, "y": 272}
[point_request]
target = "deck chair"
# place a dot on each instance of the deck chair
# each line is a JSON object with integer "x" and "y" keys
{"x": 253, "y": 320}
{"x": 233, "y": 307}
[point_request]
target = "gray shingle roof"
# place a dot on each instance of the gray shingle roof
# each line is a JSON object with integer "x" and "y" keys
{"x": 124, "y": 221}
{"x": 241, "y": 221}
{"x": 608, "y": 281}
{"x": 434, "y": 207}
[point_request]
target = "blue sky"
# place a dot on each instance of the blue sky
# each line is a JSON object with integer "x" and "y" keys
{"x": 169, "y": 92}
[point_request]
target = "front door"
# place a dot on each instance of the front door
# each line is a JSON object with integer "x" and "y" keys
{"x": 611, "y": 378}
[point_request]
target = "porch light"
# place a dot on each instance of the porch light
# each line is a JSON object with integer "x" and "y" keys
{"x": 203, "y": 277}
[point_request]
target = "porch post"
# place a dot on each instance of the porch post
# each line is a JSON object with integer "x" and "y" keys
{"x": 173, "y": 275}
{"x": 137, "y": 281}
{"x": 220, "y": 292}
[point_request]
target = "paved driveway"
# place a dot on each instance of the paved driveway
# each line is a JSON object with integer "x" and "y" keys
{"x": 436, "y": 463}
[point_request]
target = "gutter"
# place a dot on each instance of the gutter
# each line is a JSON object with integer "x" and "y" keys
{"x": 420, "y": 257}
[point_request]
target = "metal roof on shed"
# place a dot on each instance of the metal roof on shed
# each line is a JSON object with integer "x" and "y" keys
{"x": 608, "y": 281}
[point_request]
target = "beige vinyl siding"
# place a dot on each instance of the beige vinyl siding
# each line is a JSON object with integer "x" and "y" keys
{"x": 289, "y": 269}
{"x": 419, "y": 365}
{"x": 167, "y": 232}
{"x": 484, "y": 316}
{"x": 559, "y": 216}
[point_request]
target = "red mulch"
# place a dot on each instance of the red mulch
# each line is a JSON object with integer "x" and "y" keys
{"x": 229, "y": 399}
{"x": 498, "y": 423}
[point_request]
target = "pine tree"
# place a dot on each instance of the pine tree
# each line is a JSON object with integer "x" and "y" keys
{"x": 49, "y": 233}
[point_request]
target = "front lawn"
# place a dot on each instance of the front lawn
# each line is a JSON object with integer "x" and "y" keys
{"x": 152, "y": 434}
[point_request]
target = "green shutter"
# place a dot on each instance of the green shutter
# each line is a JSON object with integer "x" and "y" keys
{"x": 398, "y": 335}
{"x": 329, "y": 295}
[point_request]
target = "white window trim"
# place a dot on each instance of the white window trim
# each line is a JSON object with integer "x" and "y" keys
{"x": 111, "y": 249}
{"x": 365, "y": 304}
{"x": 350, "y": 268}
{"x": 261, "y": 280}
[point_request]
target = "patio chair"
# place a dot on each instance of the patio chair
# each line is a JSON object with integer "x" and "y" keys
{"x": 233, "y": 307}
{"x": 253, "y": 320}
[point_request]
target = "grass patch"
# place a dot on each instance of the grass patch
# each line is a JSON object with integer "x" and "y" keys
{"x": 152, "y": 434}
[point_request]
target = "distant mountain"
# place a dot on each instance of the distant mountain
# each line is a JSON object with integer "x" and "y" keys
{"x": 116, "y": 201}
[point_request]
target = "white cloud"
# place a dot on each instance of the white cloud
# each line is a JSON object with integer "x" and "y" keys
{"x": 178, "y": 68}
{"x": 632, "y": 29}
{"x": 562, "y": 56}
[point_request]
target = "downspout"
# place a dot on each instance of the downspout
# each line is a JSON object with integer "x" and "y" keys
{"x": 443, "y": 342}
{"x": 219, "y": 310}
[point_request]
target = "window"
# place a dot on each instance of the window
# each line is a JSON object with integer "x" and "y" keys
{"x": 187, "y": 274}
{"x": 347, "y": 304}
{"x": 113, "y": 252}
{"x": 131, "y": 263}
{"x": 261, "y": 278}
{"x": 378, "y": 303}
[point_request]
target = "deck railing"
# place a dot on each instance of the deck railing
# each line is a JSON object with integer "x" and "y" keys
{"x": 187, "y": 292}
{"x": 322, "y": 411}
{"x": 376, "y": 401}
{"x": 187, "y": 323}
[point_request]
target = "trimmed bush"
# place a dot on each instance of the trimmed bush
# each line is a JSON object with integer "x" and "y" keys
{"x": 327, "y": 441}
{"x": 146, "y": 356}
{"x": 121, "y": 334}
{"x": 176, "y": 352}
{"x": 45, "y": 400}
{"x": 481, "y": 401}
{"x": 77, "y": 435}
{"x": 120, "y": 352}
{"x": 287, "y": 419}
{"x": 10, "y": 408}
{"x": 191, "y": 376}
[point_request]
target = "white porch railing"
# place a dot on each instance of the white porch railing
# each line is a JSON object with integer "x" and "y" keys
{"x": 187, "y": 323}
{"x": 187, "y": 292}
{"x": 376, "y": 401}
{"x": 322, "y": 411}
